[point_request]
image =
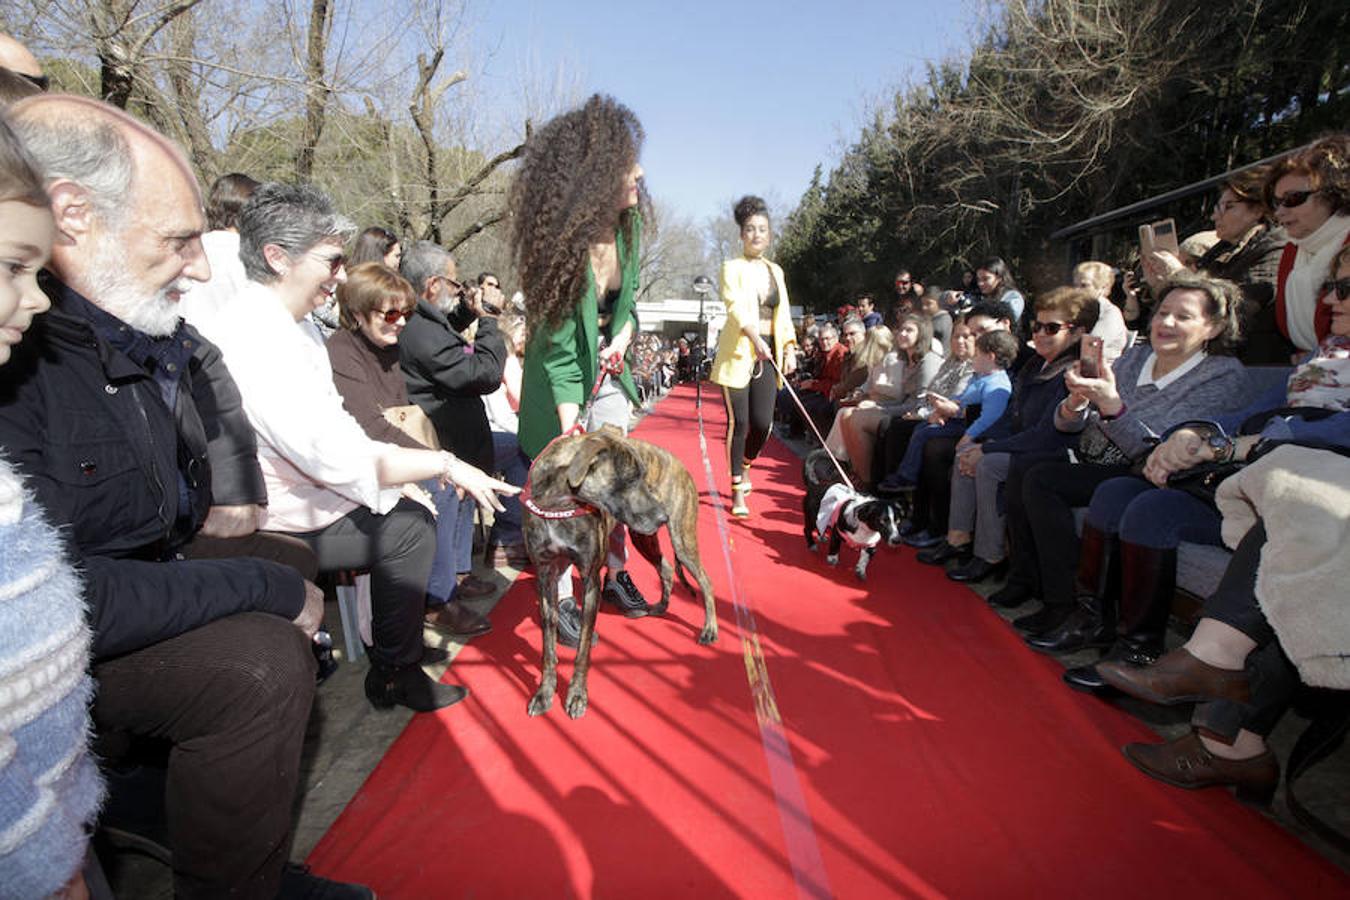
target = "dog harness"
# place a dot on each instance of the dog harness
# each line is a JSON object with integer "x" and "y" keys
{"x": 837, "y": 508}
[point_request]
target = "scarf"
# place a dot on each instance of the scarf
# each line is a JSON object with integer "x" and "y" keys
{"x": 1303, "y": 286}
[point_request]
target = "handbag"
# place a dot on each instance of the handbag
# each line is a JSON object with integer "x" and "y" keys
{"x": 412, "y": 421}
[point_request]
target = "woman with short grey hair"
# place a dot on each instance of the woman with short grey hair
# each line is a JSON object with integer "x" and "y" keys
{"x": 328, "y": 483}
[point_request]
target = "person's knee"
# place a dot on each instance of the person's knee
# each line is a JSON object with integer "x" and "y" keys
{"x": 265, "y": 668}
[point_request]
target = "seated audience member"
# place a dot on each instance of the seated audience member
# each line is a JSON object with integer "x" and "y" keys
{"x": 1244, "y": 659}
{"x": 938, "y": 318}
{"x": 908, "y": 292}
{"x": 865, "y": 349}
{"x": 212, "y": 655}
{"x": 972, "y": 413}
{"x": 995, "y": 282}
{"x": 975, "y": 530}
{"x": 376, "y": 244}
{"x": 1194, "y": 247}
{"x": 1130, "y": 615}
{"x": 1098, "y": 277}
{"x": 227, "y": 197}
{"x": 1183, "y": 374}
{"x": 893, "y": 382}
{"x": 448, "y": 376}
{"x": 327, "y": 482}
{"x": 928, "y": 511}
{"x": 893, "y": 432}
{"x": 51, "y": 787}
{"x": 364, "y": 354}
{"x": 818, "y": 394}
{"x": 867, "y": 312}
{"x": 506, "y": 541}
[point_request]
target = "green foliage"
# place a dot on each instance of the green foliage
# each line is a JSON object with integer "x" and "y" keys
{"x": 1066, "y": 109}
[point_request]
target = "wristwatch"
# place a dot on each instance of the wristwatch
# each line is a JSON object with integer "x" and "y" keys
{"x": 1222, "y": 446}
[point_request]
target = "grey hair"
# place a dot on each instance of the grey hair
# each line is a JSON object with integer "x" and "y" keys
{"x": 89, "y": 151}
{"x": 421, "y": 261}
{"x": 828, "y": 328}
{"x": 294, "y": 217}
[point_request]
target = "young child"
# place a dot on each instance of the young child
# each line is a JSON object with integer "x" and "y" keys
{"x": 987, "y": 392}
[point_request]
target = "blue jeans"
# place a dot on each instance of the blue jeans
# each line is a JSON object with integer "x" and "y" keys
{"x": 1160, "y": 518}
{"x": 454, "y": 542}
{"x": 912, "y": 463}
{"x": 510, "y": 460}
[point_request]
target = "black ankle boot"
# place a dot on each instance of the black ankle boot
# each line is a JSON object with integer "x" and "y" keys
{"x": 411, "y": 687}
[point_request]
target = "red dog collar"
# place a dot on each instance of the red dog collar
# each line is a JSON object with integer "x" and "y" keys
{"x": 572, "y": 512}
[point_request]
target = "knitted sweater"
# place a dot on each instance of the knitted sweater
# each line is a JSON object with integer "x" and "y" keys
{"x": 1215, "y": 386}
{"x": 49, "y": 786}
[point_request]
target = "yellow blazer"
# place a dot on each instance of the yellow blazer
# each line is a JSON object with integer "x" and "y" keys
{"x": 734, "y": 363}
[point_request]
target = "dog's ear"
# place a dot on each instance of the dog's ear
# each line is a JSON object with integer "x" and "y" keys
{"x": 585, "y": 458}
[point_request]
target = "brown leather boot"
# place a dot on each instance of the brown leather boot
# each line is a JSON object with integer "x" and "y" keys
{"x": 1185, "y": 763}
{"x": 454, "y": 620}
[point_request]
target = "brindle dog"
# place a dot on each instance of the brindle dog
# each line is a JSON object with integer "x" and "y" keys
{"x": 624, "y": 480}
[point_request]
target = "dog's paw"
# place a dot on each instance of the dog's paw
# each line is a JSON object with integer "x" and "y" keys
{"x": 812, "y": 546}
{"x": 708, "y": 635}
{"x": 860, "y": 572}
{"x": 575, "y": 704}
{"x": 540, "y": 703}
{"x": 659, "y": 609}
{"x": 832, "y": 560}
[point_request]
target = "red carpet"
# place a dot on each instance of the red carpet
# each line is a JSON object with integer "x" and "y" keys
{"x": 928, "y": 752}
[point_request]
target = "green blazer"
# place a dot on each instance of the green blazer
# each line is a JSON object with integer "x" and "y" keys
{"x": 561, "y": 366}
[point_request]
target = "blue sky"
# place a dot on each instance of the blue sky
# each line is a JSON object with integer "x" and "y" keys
{"x": 735, "y": 98}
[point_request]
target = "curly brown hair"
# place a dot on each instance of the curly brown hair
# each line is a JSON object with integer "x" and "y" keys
{"x": 564, "y": 198}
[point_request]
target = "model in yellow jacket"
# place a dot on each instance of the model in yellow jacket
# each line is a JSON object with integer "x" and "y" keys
{"x": 758, "y": 328}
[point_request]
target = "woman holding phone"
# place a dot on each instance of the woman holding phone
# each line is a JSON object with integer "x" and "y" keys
{"x": 1184, "y": 373}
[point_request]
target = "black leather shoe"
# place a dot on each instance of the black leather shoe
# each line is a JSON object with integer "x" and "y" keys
{"x": 433, "y": 655}
{"x": 1044, "y": 620}
{"x": 411, "y": 687}
{"x": 922, "y": 540}
{"x": 621, "y": 591}
{"x": 941, "y": 552}
{"x": 1085, "y": 678}
{"x": 976, "y": 569}
{"x": 1082, "y": 629}
{"x": 1011, "y": 594}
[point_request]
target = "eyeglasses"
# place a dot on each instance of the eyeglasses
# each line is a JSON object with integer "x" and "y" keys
{"x": 1050, "y": 328}
{"x": 1340, "y": 287}
{"x": 1224, "y": 206}
{"x": 392, "y": 316}
{"x": 333, "y": 262}
{"x": 903, "y": 281}
{"x": 853, "y": 335}
{"x": 1293, "y": 198}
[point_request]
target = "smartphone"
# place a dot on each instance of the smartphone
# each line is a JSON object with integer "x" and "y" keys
{"x": 1161, "y": 235}
{"x": 1090, "y": 356}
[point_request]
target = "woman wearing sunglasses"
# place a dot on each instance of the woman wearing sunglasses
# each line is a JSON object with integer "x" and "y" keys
{"x": 328, "y": 482}
{"x": 375, "y": 304}
{"x": 1310, "y": 193}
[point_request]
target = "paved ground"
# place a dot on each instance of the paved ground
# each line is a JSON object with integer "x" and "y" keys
{"x": 347, "y": 738}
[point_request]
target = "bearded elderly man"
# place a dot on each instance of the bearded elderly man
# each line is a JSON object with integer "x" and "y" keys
{"x": 113, "y": 409}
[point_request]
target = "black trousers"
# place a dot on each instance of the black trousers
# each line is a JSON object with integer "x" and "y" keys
{"x": 269, "y": 545}
{"x": 750, "y": 416}
{"x": 892, "y": 442}
{"x": 1024, "y": 568}
{"x": 1274, "y": 679}
{"x": 933, "y": 495}
{"x": 233, "y": 698}
{"x": 397, "y": 549}
{"x": 1050, "y": 492}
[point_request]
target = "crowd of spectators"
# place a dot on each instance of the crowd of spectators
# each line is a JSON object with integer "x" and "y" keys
{"x": 217, "y": 401}
{"x": 1067, "y": 443}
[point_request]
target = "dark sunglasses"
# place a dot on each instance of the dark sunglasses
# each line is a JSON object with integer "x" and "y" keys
{"x": 1051, "y": 328}
{"x": 333, "y": 262}
{"x": 1340, "y": 287}
{"x": 1293, "y": 198}
{"x": 392, "y": 316}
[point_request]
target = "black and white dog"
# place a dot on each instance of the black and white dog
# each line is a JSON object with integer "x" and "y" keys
{"x": 831, "y": 508}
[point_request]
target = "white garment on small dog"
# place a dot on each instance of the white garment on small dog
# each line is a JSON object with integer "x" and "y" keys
{"x": 838, "y": 503}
